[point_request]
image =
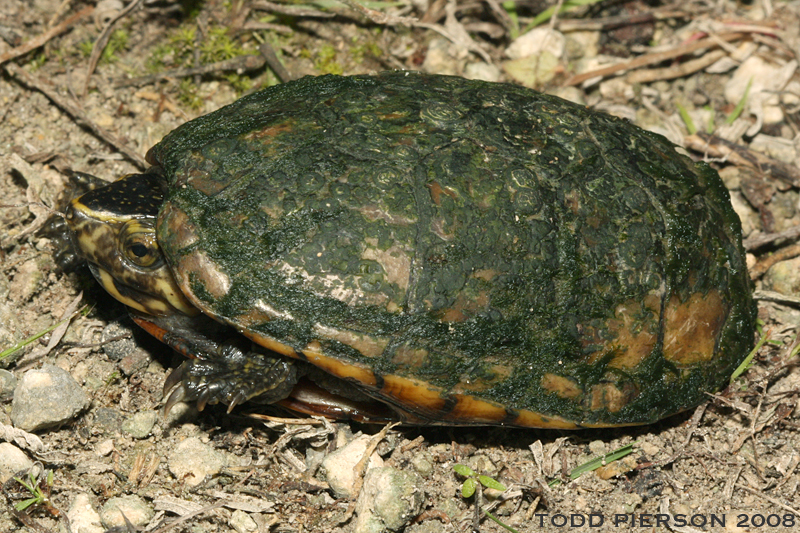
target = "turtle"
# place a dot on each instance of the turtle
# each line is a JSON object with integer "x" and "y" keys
{"x": 430, "y": 249}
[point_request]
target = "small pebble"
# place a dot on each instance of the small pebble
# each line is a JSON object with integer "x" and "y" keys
{"x": 132, "y": 507}
{"x": 783, "y": 277}
{"x": 116, "y": 350}
{"x": 242, "y": 523}
{"x": 45, "y": 398}
{"x": 537, "y": 41}
{"x": 104, "y": 448}
{"x": 423, "y": 462}
{"x": 192, "y": 461}
{"x": 12, "y": 461}
{"x": 482, "y": 71}
{"x": 107, "y": 419}
{"x": 340, "y": 466}
{"x": 597, "y": 447}
{"x": 7, "y": 384}
{"x": 82, "y": 516}
{"x": 389, "y": 499}
{"x": 140, "y": 424}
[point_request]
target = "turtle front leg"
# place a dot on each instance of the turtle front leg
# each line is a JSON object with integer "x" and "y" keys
{"x": 232, "y": 377}
{"x": 218, "y": 372}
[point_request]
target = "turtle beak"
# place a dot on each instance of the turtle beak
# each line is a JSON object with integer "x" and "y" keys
{"x": 142, "y": 300}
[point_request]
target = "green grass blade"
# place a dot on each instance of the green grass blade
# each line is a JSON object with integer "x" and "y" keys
{"x": 739, "y": 106}
{"x": 498, "y": 522}
{"x": 749, "y": 359}
{"x": 687, "y": 120}
{"x": 597, "y": 462}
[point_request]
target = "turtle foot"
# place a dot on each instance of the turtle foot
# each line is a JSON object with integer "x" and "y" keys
{"x": 232, "y": 378}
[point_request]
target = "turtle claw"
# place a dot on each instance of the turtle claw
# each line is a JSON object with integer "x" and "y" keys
{"x": 239, "y": 397}
{"x": 175, "y": 377}
{"x": 177, "y": 396}
{"x": 204, "y": 398}
{"x": 231, "y": 377}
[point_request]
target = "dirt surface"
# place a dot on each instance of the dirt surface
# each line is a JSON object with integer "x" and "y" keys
{"x": 736, "y": 459}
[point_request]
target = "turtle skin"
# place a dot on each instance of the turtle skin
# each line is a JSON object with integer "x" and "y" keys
{"x": 464, "y": 252}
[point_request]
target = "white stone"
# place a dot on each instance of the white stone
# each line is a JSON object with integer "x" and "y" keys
{"x": 776, "y": 147}
{"x": 617, "y": 89}
{"x": 389, "y": 500}
{"x": 585, "y": 42}
{"x": 747, "y": 214}
{"x": 192, "y": 461}
{"x": 537, "y": 41}
{"x": 12, "y": 461}
{"x": 481, "y": 71}
{"x": 131, "y": 507}
{"x": 340, "y": 466}
{"x": 82, "y": 516}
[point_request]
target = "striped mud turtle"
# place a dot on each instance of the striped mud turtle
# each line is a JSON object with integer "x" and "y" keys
{"x": 457, "y": 252}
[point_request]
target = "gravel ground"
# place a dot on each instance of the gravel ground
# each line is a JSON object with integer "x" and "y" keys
{"x": 735, "y": 459}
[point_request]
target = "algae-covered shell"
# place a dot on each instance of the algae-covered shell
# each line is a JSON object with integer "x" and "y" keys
{"x": 464, "y": 251}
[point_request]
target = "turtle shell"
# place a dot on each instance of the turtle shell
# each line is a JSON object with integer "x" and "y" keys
{"x": 468, "y": 252}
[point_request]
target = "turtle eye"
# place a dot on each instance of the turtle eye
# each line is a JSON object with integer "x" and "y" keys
{"x": 139, "y": 249}
{"x": 138, "y": 245}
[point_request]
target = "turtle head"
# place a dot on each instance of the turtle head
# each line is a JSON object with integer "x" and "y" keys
{"x": 113, "y": 228}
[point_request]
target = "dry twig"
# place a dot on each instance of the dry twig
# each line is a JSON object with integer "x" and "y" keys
{"x": 612, "y": 23}
{"x": 655, "y": 57}
{"x": 102, "y": 41}
{"x": 264, "y": 5}
{"x": 765, "y": 263}
{"x": 238, "y": 63}
{"x": 677, "y": 71}
{"x": 773, "y": 501}
{"x": 42, "y": 39}
{"x": 754, "y": 242}
{"x": 743, "y": 156}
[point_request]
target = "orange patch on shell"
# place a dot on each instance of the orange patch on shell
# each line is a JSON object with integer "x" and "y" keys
{"x": 608, "y": 396}
{"x": 267, "y": 133}
{"x": 634, "y": 337}
{"x": 363, "y": 344}
{"x": 564, "y": 387}
{"x": 414, "y": 401}
{"x": 692, "y": 328}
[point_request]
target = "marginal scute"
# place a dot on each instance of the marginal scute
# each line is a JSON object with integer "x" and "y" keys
{"x": 314, "y": 354}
